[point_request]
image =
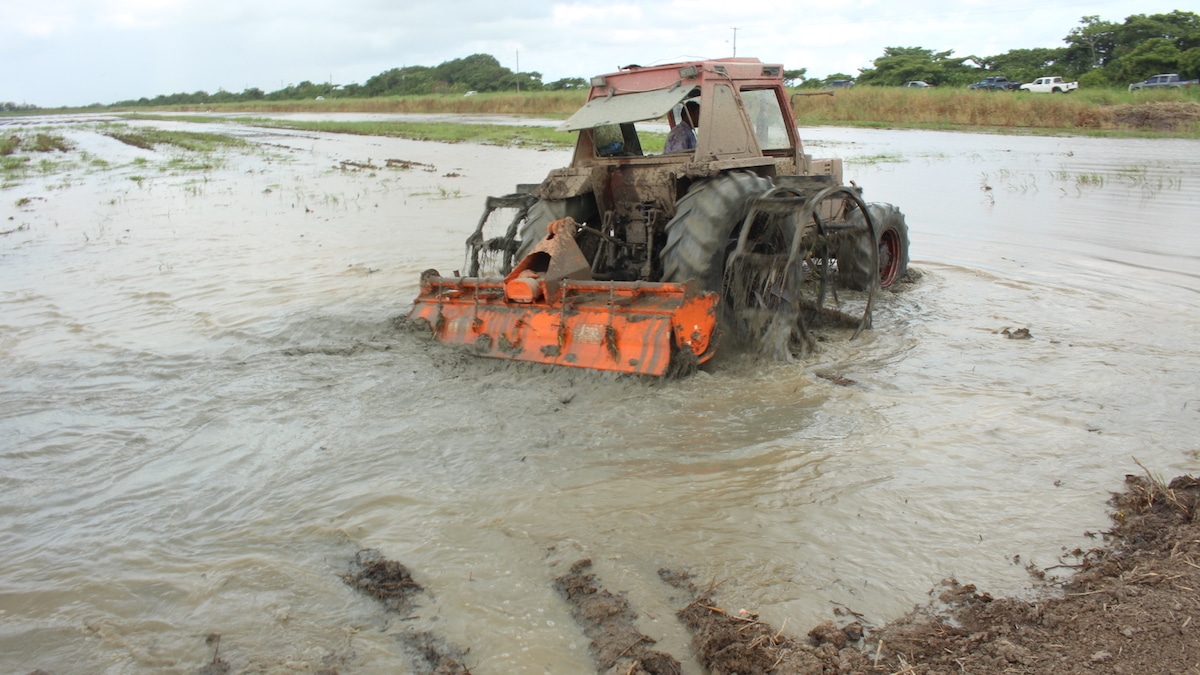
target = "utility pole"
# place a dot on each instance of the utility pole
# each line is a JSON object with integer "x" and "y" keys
{"x": 735, "y": 30}
{"x": 518, "y": 71}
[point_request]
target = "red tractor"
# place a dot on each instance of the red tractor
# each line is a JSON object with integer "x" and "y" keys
{"x": 609, "y": 262}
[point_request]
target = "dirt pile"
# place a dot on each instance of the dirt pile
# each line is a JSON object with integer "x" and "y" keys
{"x": 740, "y": 643}
{"x": 1165, "y": 116}
{"x": 388, "y": 581}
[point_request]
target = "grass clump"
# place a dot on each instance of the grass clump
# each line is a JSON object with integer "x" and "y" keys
{"x": 13, "y": 162}
{"x": 51, "y": 143}
{"x": 148, "y": 138}
{"x": 9, "y": 145}
{"x": 40, "y": 142}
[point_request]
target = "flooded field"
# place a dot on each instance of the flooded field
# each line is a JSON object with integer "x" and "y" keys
{"x": 206, "y": 410}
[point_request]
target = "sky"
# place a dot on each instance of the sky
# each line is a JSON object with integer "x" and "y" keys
{"x": 78, "y": 52}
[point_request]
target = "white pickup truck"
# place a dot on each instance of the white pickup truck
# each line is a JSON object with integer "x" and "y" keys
{"x": 1050, "y": 85}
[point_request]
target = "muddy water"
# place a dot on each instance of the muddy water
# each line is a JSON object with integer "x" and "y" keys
{"x": 206, "y": 410}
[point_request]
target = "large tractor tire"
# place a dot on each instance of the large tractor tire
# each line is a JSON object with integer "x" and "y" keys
{"x": 544, "y": 212}
{"x": 698, "y": 237}
{"x": 854, "y": 256}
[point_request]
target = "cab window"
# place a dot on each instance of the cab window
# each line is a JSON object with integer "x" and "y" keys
{"x": 766, "y": 116}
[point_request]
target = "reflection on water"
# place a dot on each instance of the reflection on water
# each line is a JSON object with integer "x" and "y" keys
{"x": 206, "y": 408}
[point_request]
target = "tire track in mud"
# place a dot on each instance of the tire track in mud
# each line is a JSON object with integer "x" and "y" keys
{"x": 723, "y": 642}
{"x": 392, "y": 584}
{"x": 608, "y": 620}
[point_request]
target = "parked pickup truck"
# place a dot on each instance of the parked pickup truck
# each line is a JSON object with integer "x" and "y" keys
{"x": 1050, "y": 85}
{"x": 996, "y": 83}
{"x": 1164, "y": 81}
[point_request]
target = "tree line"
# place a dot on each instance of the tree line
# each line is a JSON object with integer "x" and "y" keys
{"x": 477, "y": 72}
{"x": 1097, "y": 53}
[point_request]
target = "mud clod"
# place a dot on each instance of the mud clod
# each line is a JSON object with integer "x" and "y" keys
{"x": 618, "y": 647}
{"x": 391, "y": 583}
{"x": 388, "y": 581}
{"x": 432, "y": 656}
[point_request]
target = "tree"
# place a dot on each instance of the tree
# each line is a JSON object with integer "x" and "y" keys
{"x": 477, "y": 72}
{"x": 1027, "y": 64}
{"x": 1150, "y": 41}
{"x": 1189, "y": 63}
{"x": 568, "y": 83}
{"x": 903, "y": 64}
{"x": 794, "y": 76}
{"x": 1156, "y": 55}
{"x": 1089, "y": 45}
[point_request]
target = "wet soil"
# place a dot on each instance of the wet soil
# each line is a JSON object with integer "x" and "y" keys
{"x": 1131, "y": 606}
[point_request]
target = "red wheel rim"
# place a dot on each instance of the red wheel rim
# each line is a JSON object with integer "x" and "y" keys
{"x": 889, "y": 258}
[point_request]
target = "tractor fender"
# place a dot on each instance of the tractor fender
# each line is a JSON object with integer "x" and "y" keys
{"x": 565, "y": 183}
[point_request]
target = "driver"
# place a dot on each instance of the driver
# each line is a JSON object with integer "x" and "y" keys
{"x": 683, "y": 135}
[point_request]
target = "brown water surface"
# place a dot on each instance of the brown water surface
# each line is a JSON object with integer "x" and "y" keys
{"x": 206, "y": 410}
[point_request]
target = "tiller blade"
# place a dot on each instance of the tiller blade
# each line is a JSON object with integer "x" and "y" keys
{"x": 549, "y": 310}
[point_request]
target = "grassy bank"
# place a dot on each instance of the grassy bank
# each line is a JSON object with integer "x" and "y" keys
{"x": 1099, "y": 111}
{"x": 490, "y": 134}
{"x": 540, "y": 104}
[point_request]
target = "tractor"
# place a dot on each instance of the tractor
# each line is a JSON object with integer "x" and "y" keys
{"x": 638, "y": 260}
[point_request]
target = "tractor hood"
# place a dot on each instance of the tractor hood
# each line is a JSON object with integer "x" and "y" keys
{"x": 617, "y": 109}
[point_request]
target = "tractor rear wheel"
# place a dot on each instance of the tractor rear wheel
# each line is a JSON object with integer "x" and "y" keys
{"x": 854, "y": 259}
{"x": 700, "y": 235}
{"x": 544, "y": 212}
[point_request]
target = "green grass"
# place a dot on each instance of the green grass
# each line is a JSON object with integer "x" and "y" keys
{"x": 490, "y": 134}
{"x": 540, "y": 104}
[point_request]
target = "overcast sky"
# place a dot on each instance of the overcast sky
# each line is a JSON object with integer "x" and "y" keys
{"x": 77, "y": 52}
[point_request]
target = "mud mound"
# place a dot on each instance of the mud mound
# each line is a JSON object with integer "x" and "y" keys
{"x": 740, "y": 643}
{"x": 617, "y": 645}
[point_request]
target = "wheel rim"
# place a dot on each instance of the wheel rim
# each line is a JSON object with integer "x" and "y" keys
{"x": 889, "y": 257}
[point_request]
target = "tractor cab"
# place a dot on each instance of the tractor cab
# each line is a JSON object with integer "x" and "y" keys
{"x": 745, "y": 116}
